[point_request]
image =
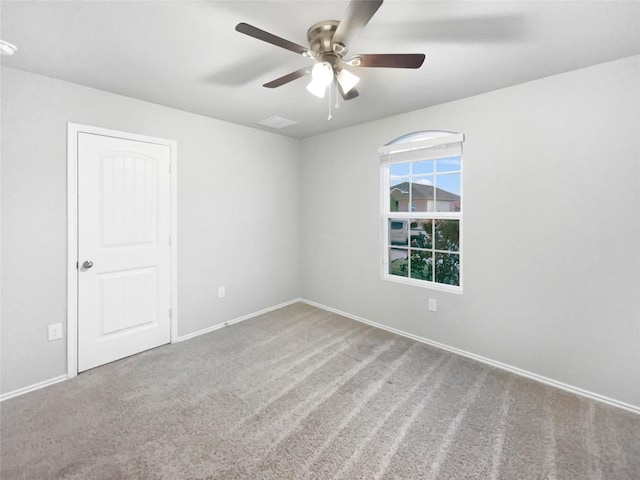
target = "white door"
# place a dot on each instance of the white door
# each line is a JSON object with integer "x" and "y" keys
{"x": 124, "y": 250}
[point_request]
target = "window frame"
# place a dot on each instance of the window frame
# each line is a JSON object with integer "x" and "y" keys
{"x": 406, "y": 143}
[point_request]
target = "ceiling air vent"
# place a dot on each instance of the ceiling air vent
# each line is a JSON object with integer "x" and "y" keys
{"x": 277, "y": 122}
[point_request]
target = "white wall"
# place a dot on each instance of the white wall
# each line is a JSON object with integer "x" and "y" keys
{"x": 237, "y": 223}
{"x": 555, "y": 290}
{"x": 551, "y": 228}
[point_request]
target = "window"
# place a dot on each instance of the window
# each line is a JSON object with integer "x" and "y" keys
{"x": 421, "y": 198}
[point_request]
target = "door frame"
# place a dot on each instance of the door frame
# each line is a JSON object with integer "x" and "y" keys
{"x": 73, "y": 130}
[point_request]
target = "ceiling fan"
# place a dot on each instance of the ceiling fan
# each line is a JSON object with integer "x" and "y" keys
{"x": 329, "y": 42}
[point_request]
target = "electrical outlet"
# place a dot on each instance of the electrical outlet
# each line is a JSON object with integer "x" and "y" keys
{"x": 432, "y": 305}
{"x": 221, "y": 292}
{"x": 55, "y": 331}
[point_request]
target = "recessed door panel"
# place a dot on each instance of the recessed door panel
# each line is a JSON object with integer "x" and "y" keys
{"x": 128, "y": 188}
{"x": 128, "y": 300}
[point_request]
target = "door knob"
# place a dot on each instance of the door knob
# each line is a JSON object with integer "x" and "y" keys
{"x": 87, "y": 264}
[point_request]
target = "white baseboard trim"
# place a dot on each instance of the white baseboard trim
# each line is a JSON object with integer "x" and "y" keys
{"x": 235, "y": 320}
{"x": 31, "y": 388}
{"x": 46, "y": 383}
{"x": 488, "y": 361}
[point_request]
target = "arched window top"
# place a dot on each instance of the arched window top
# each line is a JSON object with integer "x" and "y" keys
{"x": 420, "y": 135}
{"x": 426, "y": 139}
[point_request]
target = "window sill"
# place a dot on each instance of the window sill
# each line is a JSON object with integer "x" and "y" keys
{"x": 423, "y": 284}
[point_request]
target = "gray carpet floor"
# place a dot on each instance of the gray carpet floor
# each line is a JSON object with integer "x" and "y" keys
{"x": 301, "y": 393}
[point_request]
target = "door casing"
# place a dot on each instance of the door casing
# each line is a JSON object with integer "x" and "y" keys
{"x": 73, "y": 129}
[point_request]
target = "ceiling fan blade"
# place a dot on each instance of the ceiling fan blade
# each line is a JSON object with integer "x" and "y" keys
{"x": 353, "y": 93}
{"x": 278, "y": 82}
{"x": 271, "y": 38}
{"x": 358, "y": 14}
{"x": 388, "y": 60}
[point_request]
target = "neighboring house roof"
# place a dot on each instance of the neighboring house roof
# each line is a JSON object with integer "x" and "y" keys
{"x": 420, "y": 191}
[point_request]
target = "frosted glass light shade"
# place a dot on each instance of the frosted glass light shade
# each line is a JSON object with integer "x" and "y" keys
{"x": 322, "y": 73}
{"x": 321, "y": 78}
{"x": 347, "y": 80}
{"x": 317, "y": 88}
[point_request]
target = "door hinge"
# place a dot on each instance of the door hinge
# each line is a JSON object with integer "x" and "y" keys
{"x": 169, "y": 240}
{"x": 77, "y": 265}
{"x": 171, "y": 313}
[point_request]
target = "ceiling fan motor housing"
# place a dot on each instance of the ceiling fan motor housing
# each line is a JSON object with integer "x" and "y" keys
{"x": 320, "y": 37}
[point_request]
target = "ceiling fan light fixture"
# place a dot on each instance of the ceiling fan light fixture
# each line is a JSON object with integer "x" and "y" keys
{"x": 322, "y": 73}
{"x": 347, "y": 80}
{"x": 316, "y": 88}
{"x": 321, "y": 78}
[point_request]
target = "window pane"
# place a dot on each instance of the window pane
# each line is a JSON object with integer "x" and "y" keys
{"x": 421, "y": 232}
{"x": 449, "y": 164}
{"x": 399, "y": 170}
{"x": 447, "y": 235}
{"x": 398, "y": 262}
{"x": 422, "y": 265}
{"x": 420, "y": 168}
{"x": 447, "y": 266}
{"x": 448, "y": 193}
{"x": 399, "y": 195}
{"x": 399, "y": 232}
{"x": 422, "y": 194}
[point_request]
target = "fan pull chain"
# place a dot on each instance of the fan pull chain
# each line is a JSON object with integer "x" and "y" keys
{"x": 330, "y": 88}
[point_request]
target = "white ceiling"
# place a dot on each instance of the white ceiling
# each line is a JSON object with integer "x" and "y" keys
{"x": 187, "y": 55}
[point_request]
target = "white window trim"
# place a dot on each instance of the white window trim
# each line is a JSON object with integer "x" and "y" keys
{"x": 386, "y": 214}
